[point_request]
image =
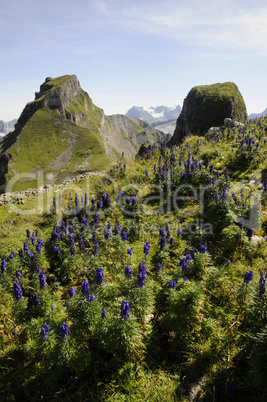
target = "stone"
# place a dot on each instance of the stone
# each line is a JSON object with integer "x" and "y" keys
{"x": 207, "y": 106}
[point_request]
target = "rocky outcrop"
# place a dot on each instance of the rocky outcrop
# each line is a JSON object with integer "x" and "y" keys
{"x": 3, "y": 168}
{"x": 207, "y": 106}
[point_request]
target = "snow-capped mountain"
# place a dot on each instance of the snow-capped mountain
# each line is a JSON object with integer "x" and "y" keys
{"x": 257, "y": 115}
{"x": 154, "y": 114}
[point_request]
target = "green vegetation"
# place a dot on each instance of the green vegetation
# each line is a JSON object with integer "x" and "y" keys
{"x": 195, "y": 217}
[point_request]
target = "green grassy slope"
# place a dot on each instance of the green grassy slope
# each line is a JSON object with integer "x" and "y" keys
{"x": 199, "y": 317}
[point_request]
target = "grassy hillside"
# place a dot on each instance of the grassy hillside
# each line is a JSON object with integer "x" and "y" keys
{"x": 142, "y": 283}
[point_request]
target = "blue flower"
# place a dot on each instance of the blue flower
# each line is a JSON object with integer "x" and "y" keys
{"x": 17, "y": 289}
{"x": 262, "y": 283}
{"x": 130, "y": 251}
{"x": 81, "y": 244}
{"x": 124, "y": 236}
{"x": 3, "y": 265}
{"x": 146, "y": 248}
{"x": 42, "y": 280}
{"x": 159, "y": 266}
{"x": 106, "y": 234}
{"x": 44, "y": 330}
{"x": 104, "y": 313}
{"x": 250, "y": 233}
{"x": 100, "y": 276}
{"x": 71, "y": 240}
{"x": 64, "y": 330}
{"x": 125, "y": 308}
{"x": 19, "y": 274}
{"x": 71, "y": 291}
{"x": 248, "y": 276}
{"x": 12, "y": 255}
{"x": 128, "y": 272}
{"x": 172, "y": 284}
{"x": 90, "y": 298}
{"x": 85, "y": 287}
{"x": 202, "y": 249}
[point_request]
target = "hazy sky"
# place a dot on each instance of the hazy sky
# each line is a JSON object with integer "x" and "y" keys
{"x": 132, "y": 52}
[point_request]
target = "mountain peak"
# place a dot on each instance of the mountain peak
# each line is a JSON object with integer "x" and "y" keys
{"x": 153, "y": 114}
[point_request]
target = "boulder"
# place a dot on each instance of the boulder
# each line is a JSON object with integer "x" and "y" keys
{"x": 207, "y": 106}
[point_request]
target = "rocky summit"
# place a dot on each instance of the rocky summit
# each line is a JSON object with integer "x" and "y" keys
{"x": 207, "y": 106}
{"x": 62, "y": 134}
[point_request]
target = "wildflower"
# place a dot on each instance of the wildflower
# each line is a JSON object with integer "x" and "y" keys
{"x": 202, "y": 249}
{"x": 104, "y": 313}
{"x": 248, "y": 276}
{"x": 44, "y": 330}
{"x": 42, "y": 280}
{"x": 159, "y": 266}
{"x": 12, "y": 255}
{"x": 250, "y": 233}
{"x": 28, "y": 233}
{"x": 85, "y": 287}
{"x": 100, "y": 276}
{"x": 172, "y": 284}
{"x": 33, "y": 301}
{"x": 20, "y": 253}
{"x": 146, "y": 248}
{"x": 125, "y": 308}
{"x": 162, "y": 239}
{"x": 106, "y": 234}
{"x": 229, "y": 262}
{"x": 3, "y": 265}
{"x": 71, "y": 292}
{"x": 17, "y": 289}
{"x": 96, "y": 247}
{"x": 26, "y": 247}
{"x": 124, "y": 236}
{"x": 99, "y": 204}
{"x": 96, "y": 219}
{"x": 71, "y": 240}
{"x": 130, "y": 251}
{"x": 128, "y": 272}
{"x": 93, "y": 202}
{"x": 19, "y": 274}
{"x": 64, "y": 330}
{"x": 81, "y": 244}
{"x": 117, "y": 230}
{"x": 90, "y": 298}
{"x": 183, "y": 264}
{"x": 172, "y": 241}
{"x": 262, "y": 283}
{"x": 52, "y": 309}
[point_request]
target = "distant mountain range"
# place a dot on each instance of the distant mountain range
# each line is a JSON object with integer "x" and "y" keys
{"x": 6, "y": 127}
{"x": 257, "y": 115}
{"x": 154, "y": 114}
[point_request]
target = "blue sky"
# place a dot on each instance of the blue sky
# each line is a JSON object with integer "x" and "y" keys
{"x": 132, "y": 52}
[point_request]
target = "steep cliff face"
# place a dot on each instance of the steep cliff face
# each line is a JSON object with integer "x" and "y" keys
{"x": 61, "y": 134}
{"x": 206, "y": 106}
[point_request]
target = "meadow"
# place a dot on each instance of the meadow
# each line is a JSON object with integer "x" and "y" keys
{"x": 144, "y": 281}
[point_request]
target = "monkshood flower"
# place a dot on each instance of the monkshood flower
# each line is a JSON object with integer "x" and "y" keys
{"x": 85, "y": 287}
{"x": 179, "y": 232}
{"x": 128, "y": 200}
{"x": 56, "y": 250}
{"x": 99, "y": 204}
{"x": 71, "y": 240}
{"x": 19, "y": 274}
{"x": 3, "y": 265}
{"x": 90, "y": 298}
{"x": 117, "y": 230}
{"x": 124, "y": 236}
{"x": 106, "y": 234}
{"x": 249, "y": 233}
{"x": 183, "y": 264}
{"x": 20, "y": 253}
{"x": 81, "y": 244}
{"x": 248, "y": 276}
{"x": 44, "y": 330}
{"x": 109, "y": 225}
{"x": 100, "y": 276}
{"x": 42, "y": 280}
{"x": 93, "y": 201}
{"x": 172, "y": 241}
{"x": 128, "y": 272}
{"x": 262, "y": 283}
{"x": 64, "y": 330}
{"x": 12, "y": 255}
{"x": 146, "y": 248}
{"x": 229, "y": 262}
{"x": 202, "y": 249}
{"x": 33, "y": 301}
{"x": 17, "y": 290}
{"x": 28, "y": 233}
{"x": 85, "y": 222}
{"x": 26, "y": 247}
{"x": 96, "y": 219}
{"x": 76, "y": 201}
{"x": 130, "y": 251}
{"x": 104, "y": 313}
{"x": 72, "y": 251}
{"x": 162, "y": 241}
{"x": 125, "y": 308}
{"x": 122, "y": 195}
{"x": 172, "y": 284}
{"x": 159, "y": 266}
{"x": 33, "y": 240}
{"x": 134, "y": 201}
{"x": 70, "y": 229}
{"x": 71, "y": 292}
{"x": 96, "y": 247}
